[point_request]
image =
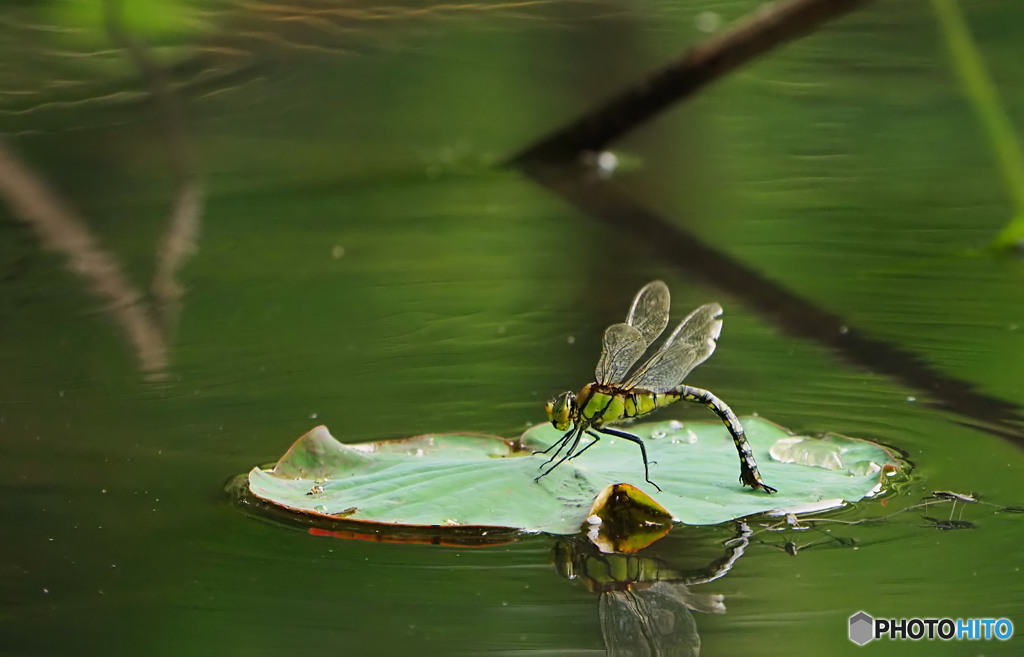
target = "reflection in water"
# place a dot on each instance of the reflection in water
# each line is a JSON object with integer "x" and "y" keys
{"x": 645, "y": 603}
{"x": 148, "y": 327}
{"x": 58, "y": 228}
{"x": 179, "y": 238}
{"x": 655, "y": 620}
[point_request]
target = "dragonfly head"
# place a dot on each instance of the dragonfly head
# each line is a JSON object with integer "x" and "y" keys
{"x": 561, "y": 410}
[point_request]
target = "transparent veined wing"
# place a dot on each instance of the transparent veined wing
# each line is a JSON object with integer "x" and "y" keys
{"x": 692, "y": 342}
{"x": 649, "y": 312}
{"x": 625, "y": 343}
{"x": 622, "y": 346}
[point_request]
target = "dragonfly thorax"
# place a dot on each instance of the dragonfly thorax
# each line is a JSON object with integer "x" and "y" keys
{"x": 561, "y": 410}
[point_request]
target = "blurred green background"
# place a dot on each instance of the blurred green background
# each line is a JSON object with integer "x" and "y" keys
{"x": 364, "y": 262}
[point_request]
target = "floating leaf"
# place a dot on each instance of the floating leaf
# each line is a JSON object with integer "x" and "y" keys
{"x": 460, "y": 480}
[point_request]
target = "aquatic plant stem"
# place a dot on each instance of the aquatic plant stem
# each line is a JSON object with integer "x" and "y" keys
{"x": 984, "y": 98}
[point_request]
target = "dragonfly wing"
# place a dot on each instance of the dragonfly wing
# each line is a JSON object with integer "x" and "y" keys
{"x": 649, "y": 312}
{"x": 622, "y": 346}
{"x": 692, "y": 342}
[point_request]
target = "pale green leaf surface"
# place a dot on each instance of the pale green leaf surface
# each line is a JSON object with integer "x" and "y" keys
{"x": 467, "y": 479}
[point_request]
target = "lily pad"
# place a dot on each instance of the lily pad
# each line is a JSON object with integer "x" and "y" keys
{"x": 462, "y": 480}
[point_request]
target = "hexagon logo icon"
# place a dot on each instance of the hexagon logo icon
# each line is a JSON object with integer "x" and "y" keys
{"x": 862, "y": 628}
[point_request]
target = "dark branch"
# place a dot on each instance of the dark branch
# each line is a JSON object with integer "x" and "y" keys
{"x": 758, "y": 33}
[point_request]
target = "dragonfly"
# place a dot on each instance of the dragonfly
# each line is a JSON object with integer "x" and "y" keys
{"x": 623, "y": 390}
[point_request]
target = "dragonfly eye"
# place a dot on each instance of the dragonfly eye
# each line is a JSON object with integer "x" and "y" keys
{"x": 560, "y": 410}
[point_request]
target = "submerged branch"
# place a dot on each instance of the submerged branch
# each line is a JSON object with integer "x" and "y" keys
{"x": 779, "y": 306}
{"x": 763, "y": 30}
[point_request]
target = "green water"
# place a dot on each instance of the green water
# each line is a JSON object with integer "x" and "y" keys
{"x": 363, "y": 264}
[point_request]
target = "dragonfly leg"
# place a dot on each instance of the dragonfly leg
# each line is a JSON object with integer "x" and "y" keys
{"x": 594, "y": 438}
{"x": 565, "y": 441}
{"x": 749, "y": 475}
{"x": 630, "y": 437}
{"x": 561, "y": 444}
